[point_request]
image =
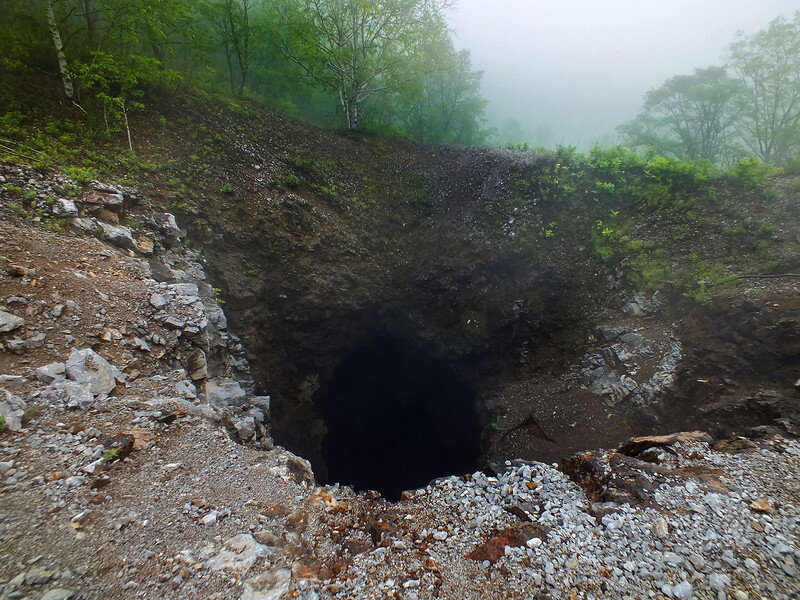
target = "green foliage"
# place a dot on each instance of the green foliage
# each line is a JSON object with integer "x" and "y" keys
{"x": 227, "y": 188}
{"x": 358, "y": 49}
{"x": 11, "y": 123}
{"x": 702, "y": 277}
{"x": 2, "y": 423}
{"x": 690, "y": 117}
{"x": 30, "y": 414}
{"x": 722, "y": 114}
{"x": 768, "y": 64}
{"x": 648, "y": 272}
{"x": 679, "y": 174}
{"x": 291, "y": 180}
{"x": 444, "y": 106}
{"x": 19, "y": 210}
{"x": 81, "y": 174}
{"x": 621, "y": 176}
{"x": 13, "y": 190}
{"x": 388, "y": 65}
{"x": 117, "y": 84}
{"x": 753, "y": 174}
{"x": 111, "y": 454}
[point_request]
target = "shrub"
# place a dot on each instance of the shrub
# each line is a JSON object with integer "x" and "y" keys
{"x": 752, "y": 174}
{"x": 679, "y": 174}
{"x": 292, "y": 181}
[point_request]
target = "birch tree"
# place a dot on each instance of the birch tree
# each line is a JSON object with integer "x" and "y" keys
{"x": 359, "y": 48}
{"x": 59, "y": 46}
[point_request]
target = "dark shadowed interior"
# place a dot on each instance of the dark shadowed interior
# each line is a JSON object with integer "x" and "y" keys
{"x": 396, "y": 419}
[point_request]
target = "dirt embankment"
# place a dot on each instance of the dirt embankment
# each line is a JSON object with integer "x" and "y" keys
{"x": 122, "y": 478}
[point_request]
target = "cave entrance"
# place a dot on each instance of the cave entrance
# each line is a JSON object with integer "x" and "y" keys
{"x": 396, "y": 419}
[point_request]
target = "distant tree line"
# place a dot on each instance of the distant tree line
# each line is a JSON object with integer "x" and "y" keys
{"x": 748, "y": 107}
{"x": 385, "y": 65}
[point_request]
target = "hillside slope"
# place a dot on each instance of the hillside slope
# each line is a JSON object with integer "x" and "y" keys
{"x": 136, "y": 460}
{"x": 564, "y": 291}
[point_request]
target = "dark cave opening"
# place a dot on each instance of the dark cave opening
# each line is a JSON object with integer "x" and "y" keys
{"x": 396, "y": 419}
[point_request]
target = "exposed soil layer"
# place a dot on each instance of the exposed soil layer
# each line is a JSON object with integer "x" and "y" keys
{"x": 489, "y": 260}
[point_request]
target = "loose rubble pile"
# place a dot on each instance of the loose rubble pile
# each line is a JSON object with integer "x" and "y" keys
{"x": 136, "y": 461}
{"x": 707, "y": 531}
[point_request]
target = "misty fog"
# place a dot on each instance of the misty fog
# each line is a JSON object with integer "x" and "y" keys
{"x": 570, "y": 72}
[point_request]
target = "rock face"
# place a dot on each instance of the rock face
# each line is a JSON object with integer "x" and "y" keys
{"x": 52, "y": 372}
{"x": 631, "y": 475}
{"x": 197, "y": 365}
{"x": 631, "y": 368}
{"x": 225, "y": 392}
{"x": 119, "y": 236}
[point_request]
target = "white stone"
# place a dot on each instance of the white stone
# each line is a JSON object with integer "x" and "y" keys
{"x": 66, "y": 207}
{"x": 88, "y": 367}
{"x": 661, "y": 528}
{"x": 11, "y": 409}
{"x": 271, "y": 585}
{"x": 718, "y": 581}
{"x": 683, "y": 591}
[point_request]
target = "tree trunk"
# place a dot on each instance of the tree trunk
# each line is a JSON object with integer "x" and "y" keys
{"x": 62, "y": 60}
{"x": 88, "y": 12}
{"x": 127, "y": 127}
{"x": 230, "y": 67}
{"x": 351, "y": 112}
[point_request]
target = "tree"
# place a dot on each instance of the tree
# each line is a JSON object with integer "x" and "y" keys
{"x": 234, "y": 26}
{"x": 446, "y": 107}
{"x": 69, "y": 91}
{"x": 689, "y": 116}
{"x": 359, "y": 48}
{"x": 768, "y": 63}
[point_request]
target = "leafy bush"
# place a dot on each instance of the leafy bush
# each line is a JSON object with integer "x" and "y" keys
{"x": 116, "y": 84}
{"x": 11, "y": 123}
{"x": 292, "y": 181}
{"x": 752, "y": 174}
{"x": 680, "y": 175}
{"x": 614, "y": 164}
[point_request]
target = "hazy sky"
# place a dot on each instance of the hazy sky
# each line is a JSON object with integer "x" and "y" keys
{"x": 581, "y": 67}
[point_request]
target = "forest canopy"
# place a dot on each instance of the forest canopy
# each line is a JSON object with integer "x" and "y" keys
{"x": 748, "y": 107}
{"x": 376, "y": 65}
{"x": 389, "y": 67}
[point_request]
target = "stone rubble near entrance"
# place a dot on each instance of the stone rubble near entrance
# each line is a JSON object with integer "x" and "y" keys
{"x": 532, "y": 530}
{"x": 136, "y": 463}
